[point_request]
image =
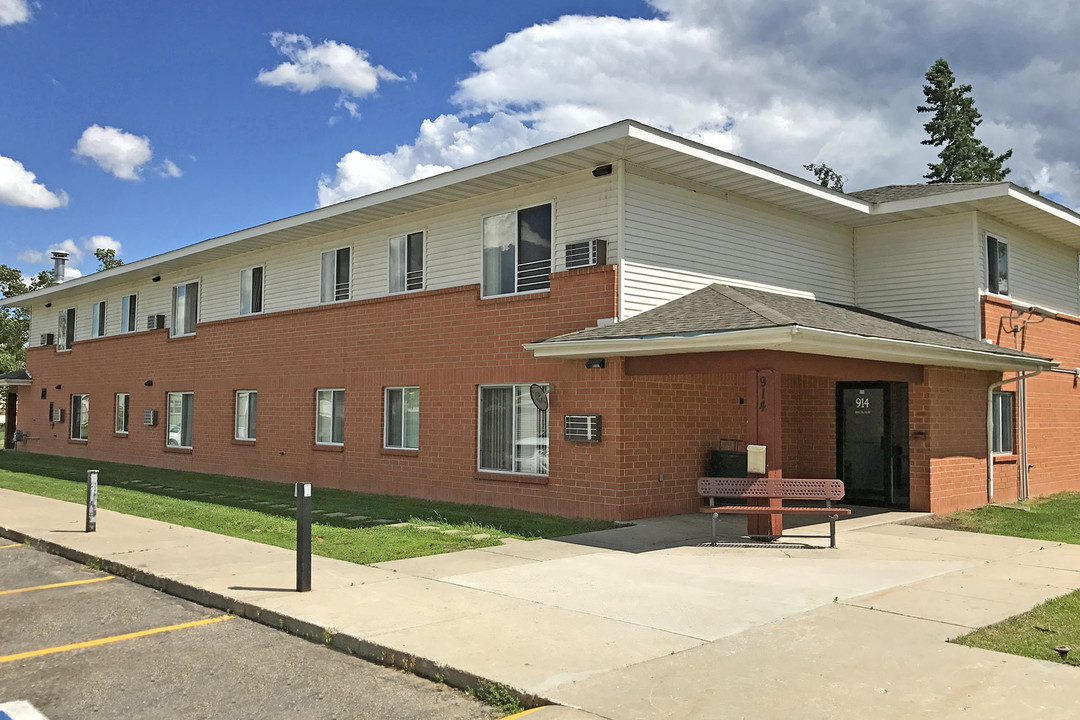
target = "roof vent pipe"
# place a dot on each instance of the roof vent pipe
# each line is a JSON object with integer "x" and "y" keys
{"x": 59, "y": 261}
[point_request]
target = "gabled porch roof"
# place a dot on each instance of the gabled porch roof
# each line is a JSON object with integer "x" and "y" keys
{"x": 721, "y": 318}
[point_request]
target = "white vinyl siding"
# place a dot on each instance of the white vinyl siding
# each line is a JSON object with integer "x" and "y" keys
{"x": 1041, "y": 272}
{"x": 677, "y": 241}
{"x": 922, "y": 271}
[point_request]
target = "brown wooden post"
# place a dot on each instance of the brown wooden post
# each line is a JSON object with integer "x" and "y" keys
{"x": 764, "y": 428}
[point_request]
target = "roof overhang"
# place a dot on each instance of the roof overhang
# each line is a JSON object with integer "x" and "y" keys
{"x": 793, "y": 339}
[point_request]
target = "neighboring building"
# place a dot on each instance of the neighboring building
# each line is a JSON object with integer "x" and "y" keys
{"x": 656, "y": 295}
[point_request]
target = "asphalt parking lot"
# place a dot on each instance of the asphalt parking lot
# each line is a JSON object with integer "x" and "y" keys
{"x": 76, "y": 642}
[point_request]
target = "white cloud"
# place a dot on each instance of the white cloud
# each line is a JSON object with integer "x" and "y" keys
{"x": 19, "y": 187}
{"x": 326, "y": 65}
{"x": 168, "y": 169}
{"x": 31, "y": 257}
{"x": 13, "y": 12}
{"x": 785, "y": 85}
{"x": 444, "y": 143}
{"x": 117, "y": 152}
{"x": 105, "y": 242}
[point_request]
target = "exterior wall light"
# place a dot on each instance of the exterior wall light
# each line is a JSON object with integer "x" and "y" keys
{"x": 596, "y": 363}
{"x": 601, "y": 171}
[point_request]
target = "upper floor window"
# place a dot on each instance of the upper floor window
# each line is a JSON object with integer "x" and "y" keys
{"x": 1002, "y": 422}
{"x": 251, "y": 290}
{"x": 335, "y": 275}
{"x": 185, "y": 308}
{"x": 517, "y": 251}
{"x": 246, "y": 402}
{"x": 65, "y": 329}
{"x": 128, "y": 312}
{"x": 407, "y": 262}
{"x": 97, "y": 320}
{"x": 330, "y": 416}
{"x": 402, "y": 418}
{"x": 80, "y": 417}
{"x": 997, "y": 266}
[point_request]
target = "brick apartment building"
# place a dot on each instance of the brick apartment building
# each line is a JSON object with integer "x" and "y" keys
{"x": 572, "y": 328}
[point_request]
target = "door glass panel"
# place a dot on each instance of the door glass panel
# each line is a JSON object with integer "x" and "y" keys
{"x": 863, "y": 453}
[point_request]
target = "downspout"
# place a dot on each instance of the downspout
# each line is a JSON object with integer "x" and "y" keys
{"x": 990, "y": 430}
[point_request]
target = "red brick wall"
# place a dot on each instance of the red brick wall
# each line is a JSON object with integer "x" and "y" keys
{"x": 1053, "y": 399}
{"x": 668, "y": 425}
{"x": 445, "y": 341}
{"x": 809, "y": 426}
{"x": 948, "y": 439}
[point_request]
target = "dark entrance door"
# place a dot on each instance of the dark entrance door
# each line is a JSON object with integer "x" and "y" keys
{"x": 872, "y": 442}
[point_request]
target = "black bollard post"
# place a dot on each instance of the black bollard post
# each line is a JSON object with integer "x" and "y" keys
{"x": 303, "y": 537}
{"x": 91, "y": 500}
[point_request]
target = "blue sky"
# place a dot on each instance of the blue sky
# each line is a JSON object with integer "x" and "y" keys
{"x": 148, "y": 126}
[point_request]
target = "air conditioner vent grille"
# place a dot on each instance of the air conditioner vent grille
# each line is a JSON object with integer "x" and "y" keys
{"x": 582, "y": 428}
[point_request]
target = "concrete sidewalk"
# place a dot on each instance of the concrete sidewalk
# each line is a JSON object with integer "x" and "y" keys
{"x": 644, "y": 621}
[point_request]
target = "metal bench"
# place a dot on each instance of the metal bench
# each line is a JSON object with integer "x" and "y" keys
{"x": 781, "y": 489}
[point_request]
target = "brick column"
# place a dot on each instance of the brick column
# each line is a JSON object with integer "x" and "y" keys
{"x": 763, "y": 427}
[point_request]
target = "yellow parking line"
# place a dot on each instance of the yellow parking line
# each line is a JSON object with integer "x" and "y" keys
{"x": 523, "y": 713}
{"x": 5, "y": 547}
{"x": 56, "y": 585}
{"x": 114, "y": 638}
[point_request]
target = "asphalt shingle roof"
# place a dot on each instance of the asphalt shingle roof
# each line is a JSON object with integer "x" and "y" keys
{"x": 889, "y": 193}
{"x": 721, "y": 308}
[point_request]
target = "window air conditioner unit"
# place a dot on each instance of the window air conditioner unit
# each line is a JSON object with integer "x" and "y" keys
{"x": 155, "y": 322}
{"x": 58, "y": 415}
{"x": 581, "y": 428}
{"x": 586, "y": 254}
{"x": 48, "y": 339}
{"x": 149, "y": 417}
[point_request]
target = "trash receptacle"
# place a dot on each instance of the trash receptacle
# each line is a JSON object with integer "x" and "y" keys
{"x": 727, "y": 460}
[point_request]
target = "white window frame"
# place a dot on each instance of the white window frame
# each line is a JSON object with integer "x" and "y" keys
{"x": 251, "y": 298}
{"x": 83, "y": 417}
{"x": 402, "y": 390}
{"x": 404, "y": 276}
{"x": 64, "y": 340}
{"x": 168, "y": 419}
{"x": 1003, "y": 400}
{"x": 330, "y": 295}
{"x": 551, "y": 258}
{"x": 174, "y": 329}
{"x": 250, "y": 431}
{"x": 99, "y": 314}
{"x": 515, "y": 458}
{"x": 129, "y": 313}
{"x": 333, "y": 393}
{"x": 991, "y": 281}
{"x": 122, "y": 418}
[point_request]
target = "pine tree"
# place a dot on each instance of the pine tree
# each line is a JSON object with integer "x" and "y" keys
{"x": 963, "y": 158}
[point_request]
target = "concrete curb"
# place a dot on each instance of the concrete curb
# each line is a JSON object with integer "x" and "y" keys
{"x": 358, "y": 647}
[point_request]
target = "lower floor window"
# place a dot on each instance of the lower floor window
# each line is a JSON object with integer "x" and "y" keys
{"x": 402, "y": 418}
{"x": 330, "y": 417}
{"x": 513, "y": 430}
{"x": 181, "y": 419}
{"x": 80, "y": 417}
{"x": 1003, "y": 422}
{"x": 123, "y": 412}
{"x": 246, "y": 401}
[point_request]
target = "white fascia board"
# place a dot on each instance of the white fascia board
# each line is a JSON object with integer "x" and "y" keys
{"x": 1048, "y": 206}
{"x": 719, "y": 157}
{"x": 549, "y": 150}
{"x": 791, "y": 339}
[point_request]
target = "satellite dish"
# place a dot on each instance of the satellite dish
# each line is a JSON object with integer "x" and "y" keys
{"x": 539, "y": 395}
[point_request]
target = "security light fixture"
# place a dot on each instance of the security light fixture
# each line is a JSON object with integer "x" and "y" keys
{"x": 149, "y": 383}
{"x": 48, "y": 304}
{"x": 595, "y": 363}
{"x": 58, "y": 387}
{"x": 156, "y": 278}
{"x": 601, "y": 171}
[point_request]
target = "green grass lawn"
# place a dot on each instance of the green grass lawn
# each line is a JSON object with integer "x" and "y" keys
{"x": 244, "y": 508}
{"x": 1036, "y": 633}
